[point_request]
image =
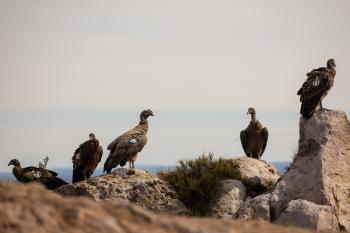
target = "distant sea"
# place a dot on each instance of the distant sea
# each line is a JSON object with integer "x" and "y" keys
{"x": 66, "y": 173}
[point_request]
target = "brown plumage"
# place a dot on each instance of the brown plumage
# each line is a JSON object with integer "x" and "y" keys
{"x": 126, "y": 147}
{"x": 315, "y": 88}
{"x": 36, "y": 174}
{"x": 86, "y": 159}
{"x": 254, "y": 137}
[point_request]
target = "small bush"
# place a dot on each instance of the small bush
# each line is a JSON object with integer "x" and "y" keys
{"x": 197, "y": 181}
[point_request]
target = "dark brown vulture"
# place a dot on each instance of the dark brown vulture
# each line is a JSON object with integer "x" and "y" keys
{"x": 254, "y": 137}
{"x": 315, "y": 88}
{"x": 36, "y": 174}
{"x": 126, "y": 147}
{"x": 86, "y": 159}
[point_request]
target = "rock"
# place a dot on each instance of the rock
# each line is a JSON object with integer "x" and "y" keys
{"x": 136, "y": 186}
{"x": 231, "y": 197}
{"x": 257, "y": 175}
{"x": 320, "y": 171}
{"x": 306, "y": 214}
{"x": 256, "y": 208}
{"x": 32, "y": 209}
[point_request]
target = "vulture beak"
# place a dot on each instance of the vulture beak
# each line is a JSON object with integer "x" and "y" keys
{"x": 152, "y": 114}
{"x": 248, "y": 113}
{"x": 9, "y": 164}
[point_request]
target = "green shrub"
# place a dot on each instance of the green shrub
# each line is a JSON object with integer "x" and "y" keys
{"x": 197, "y": 182}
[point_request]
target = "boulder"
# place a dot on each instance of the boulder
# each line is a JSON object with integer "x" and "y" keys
{"x": 231, "y": 197}
{"x": 257, "y": 208}
{"x": 320, "y": 171}
{"x": 136, "y": 186}
{"x": 32, "y": 209}
{"x": 306, "y": 214}
{"x": 257, "y": 175}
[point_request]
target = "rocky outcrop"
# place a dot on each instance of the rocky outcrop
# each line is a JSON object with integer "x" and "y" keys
{"x": 32, "y": 209}
{"x": 232, "y": 195}
{"x": 257, "y": 208}
{"x": 136, "y": 186}
{"x": 257, "y": 175}
{"x": 320, "y": 172}
{"x": 306, "y": 214}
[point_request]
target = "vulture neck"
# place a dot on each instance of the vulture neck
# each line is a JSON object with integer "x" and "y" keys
{"x": 143, "y": 124}
{"x": 253, "y": 115}
{"x": 16, "y": 170}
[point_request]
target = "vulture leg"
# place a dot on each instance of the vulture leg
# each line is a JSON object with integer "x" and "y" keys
{"x": 133, "y": 164}
{"x": 129, "y": 164}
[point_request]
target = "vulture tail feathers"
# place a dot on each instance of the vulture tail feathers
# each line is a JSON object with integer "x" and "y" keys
{"x": 77, "y": 176}
{"x": 54, "y": 182}
{"x": 308, "y": 106}
{"x": 107, "y": 167}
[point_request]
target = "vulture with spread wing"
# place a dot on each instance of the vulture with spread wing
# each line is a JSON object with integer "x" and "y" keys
{"x": 86, "y": 159}
{"x": 315, "y": 88}
{"x": 126, "y": 147}
{"x": 36, "y": 174}
{"x": 254, "y": 137}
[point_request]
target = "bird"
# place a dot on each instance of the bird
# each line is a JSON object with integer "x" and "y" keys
{"x": 315, "y": 88}
{"x": 254, "y": 137}
{"x": 126, "y": 147}
{"x": 86, "y": 158}
{"x": 36, "y": 174}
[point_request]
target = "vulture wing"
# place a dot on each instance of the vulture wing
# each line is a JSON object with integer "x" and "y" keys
{"x": 53, "y": 173}
{"x": 243, "y": 137}
{"x": 124, "y": 147}
{"x": 28, "y": 169}
{"x": 316, "y": 85}
{"x": 264, "y": 137}
{"x": 85, "y": 160}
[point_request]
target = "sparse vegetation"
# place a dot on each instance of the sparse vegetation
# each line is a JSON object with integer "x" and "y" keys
{"x": 197, "y": 181}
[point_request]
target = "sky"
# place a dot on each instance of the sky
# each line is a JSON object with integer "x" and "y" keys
{"x": 68, "y": 68}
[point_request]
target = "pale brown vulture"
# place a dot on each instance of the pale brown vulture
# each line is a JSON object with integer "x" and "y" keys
{"x": 86, "y": 159}
{"x": 126, "y": 147}
{"x": 315, "y": 88}
{"x": 36, "y": 174}
{"x": 254, "y": 137}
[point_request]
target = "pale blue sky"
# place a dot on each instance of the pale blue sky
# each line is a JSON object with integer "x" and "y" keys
{"x": 68, "y": 68}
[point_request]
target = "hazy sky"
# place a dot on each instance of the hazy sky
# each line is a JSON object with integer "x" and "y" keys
{"x": 68, "y": 68}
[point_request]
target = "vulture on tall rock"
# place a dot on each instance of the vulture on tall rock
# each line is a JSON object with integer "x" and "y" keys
{"x": 86, "y": 159}
{"x": 254, "y": 137}
{"x": 126, "y": 147}
{"x": 36, "y": 174}
{"x": 315, "y": 88}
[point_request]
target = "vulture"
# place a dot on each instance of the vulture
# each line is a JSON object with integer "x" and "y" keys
{"x": 254, "y": 137}
{"x": 36, "y": 174}
{"x": 315, "y": 88}
{"x": 126, "y": 147}
{"x": 86, "y": 159}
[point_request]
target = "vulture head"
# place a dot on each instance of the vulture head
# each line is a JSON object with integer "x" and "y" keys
{"x": 331, "y": 63}
{"x": 91, "y": 136}
{"x": 145, "y": 114}
{"x": 251, "y": 111}
{"x": 14, "y": 162}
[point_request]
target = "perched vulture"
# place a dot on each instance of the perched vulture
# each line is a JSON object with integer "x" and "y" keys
{"x": 86, "y": 159}
{"x": 126, "y": 147}
{"x": 254, "y": 137}
{"x": 315, "y": 88}
{"x": 36, "y": 174}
